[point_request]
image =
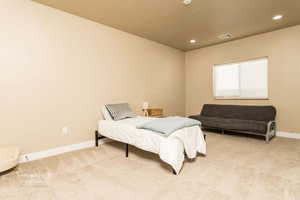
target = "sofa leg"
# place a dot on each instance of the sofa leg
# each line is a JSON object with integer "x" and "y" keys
{"x": 267, "y": 139}
{"x": 272, "y": 136}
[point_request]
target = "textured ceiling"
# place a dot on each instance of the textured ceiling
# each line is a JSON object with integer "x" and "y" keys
{"x": 172, "y": 23}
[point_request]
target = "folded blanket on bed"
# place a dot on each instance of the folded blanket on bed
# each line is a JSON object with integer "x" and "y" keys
{"x": 166, "y": 126}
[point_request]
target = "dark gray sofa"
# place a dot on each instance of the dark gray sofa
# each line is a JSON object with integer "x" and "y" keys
{"x": 256, "y": 120}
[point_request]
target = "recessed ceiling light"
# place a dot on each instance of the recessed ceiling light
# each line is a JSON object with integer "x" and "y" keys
{"x": 193, "y": 41}
{"x": 186, "y": 2}
{"x": 277, "y": 17}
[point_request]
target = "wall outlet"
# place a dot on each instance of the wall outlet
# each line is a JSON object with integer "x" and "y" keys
{"x": 65, "y": 130}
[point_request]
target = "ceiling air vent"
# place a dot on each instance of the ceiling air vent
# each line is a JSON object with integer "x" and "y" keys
{"x": 225, "y": 36}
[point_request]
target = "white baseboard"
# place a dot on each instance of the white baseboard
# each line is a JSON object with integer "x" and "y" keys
{"x": 288, "y": 135}
{"x": 59, "y": 150}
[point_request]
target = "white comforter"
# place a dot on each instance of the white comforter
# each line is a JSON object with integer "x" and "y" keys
{"x": 170, "y": 149}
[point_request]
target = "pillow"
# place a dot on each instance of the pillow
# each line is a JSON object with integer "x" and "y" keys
{"x": 120, "y": 111}
{"x": 106, "y": 114}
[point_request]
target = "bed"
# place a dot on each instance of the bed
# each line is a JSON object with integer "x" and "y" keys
{"x": 171, "y": 149}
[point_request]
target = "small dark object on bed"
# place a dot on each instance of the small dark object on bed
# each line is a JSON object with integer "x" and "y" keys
{"x": 253, "y": 120}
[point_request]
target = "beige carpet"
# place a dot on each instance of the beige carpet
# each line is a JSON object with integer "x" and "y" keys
{"x": 236, "y": 168}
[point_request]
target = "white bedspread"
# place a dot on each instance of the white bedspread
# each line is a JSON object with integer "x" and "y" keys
{"x": 170, "y": 149}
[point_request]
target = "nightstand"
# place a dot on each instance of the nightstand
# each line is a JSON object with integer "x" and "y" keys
{"x": 153, "y": 112}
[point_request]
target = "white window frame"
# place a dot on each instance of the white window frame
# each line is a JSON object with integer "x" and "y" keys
{"x": 239, "y": 97}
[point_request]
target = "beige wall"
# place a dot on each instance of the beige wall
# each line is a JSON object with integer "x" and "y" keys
{"x": 283, "y": 49}
{"x": 57, "y": 70}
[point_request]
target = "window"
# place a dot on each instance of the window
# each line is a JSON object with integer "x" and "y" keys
{"x": 244, "y": 80}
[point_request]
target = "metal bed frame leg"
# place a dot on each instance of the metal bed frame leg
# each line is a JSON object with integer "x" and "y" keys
{"x": 126, "y": 150}
{"x": 96, "y": 138}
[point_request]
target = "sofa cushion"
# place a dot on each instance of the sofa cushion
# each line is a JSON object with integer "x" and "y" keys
{"x": 256, "y": 113}
{"x": 233, "y": 124}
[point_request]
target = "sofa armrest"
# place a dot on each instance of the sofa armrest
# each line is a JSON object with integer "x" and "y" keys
{"x": 194, "y": 117}
{"x": 271, "y": 131}
{"x": 271, "y": 126}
